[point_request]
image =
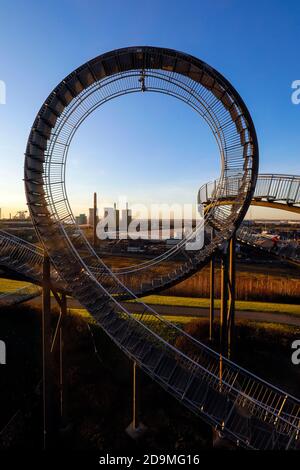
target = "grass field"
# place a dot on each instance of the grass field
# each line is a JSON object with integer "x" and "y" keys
{"x": 290, "y": 309}
{"x": 185, "y": 319}
{"x": 6, "y": 285}
{"x": 182, "y": 319}
{"x": 96, "y": 410}
{"x": 254, "y": 282}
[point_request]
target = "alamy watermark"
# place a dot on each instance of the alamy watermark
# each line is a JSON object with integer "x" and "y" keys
{"x": 296, "y": 353}
{"x": 2, "y": 92}
{"x": 295, "y": 97}
{"x": 2, "y": 353}
{"x": 184, "y": 223}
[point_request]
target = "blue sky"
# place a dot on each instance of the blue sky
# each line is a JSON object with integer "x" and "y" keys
{"x": 253, "y": 44}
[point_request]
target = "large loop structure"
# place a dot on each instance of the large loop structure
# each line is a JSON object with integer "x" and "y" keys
{"x": 124, "y": 71}
{"x": 242, "y": 406}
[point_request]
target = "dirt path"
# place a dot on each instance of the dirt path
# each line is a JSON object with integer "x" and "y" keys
{"x": 172, "y": 310}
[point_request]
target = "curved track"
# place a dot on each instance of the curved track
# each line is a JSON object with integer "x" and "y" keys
{"x": 282, "y": 191}
{"x": 200, "y": 361}
{"x": 24, "y": 260}
{"x": 243, "y": 407}
{"x": 124, "y": 71}
{"x": 274, "y": 191}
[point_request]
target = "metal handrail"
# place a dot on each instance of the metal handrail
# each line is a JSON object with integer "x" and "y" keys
{"x": 220, "y": 105}
{"x": 279, "y": 182}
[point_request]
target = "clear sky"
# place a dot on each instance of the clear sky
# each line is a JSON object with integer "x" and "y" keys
{"x": 119, "y": 149}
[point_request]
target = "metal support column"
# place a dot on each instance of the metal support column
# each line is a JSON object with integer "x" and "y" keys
{"x": 212, "y": 297}
{"x": 212, "y": 292}
{"x": 232, "y": 287}
{"x": 63, "y": 311}
{"x": 135, "y": 415}
{"x": 46, "y": 349}
{"x": 224, "y": 301}
{"x": 51, "y": 414}
{"x": 136, "y": 428}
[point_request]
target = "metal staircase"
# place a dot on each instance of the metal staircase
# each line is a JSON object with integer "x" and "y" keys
{"x": 243, "y": 407}
{"x": 278, "y": 191}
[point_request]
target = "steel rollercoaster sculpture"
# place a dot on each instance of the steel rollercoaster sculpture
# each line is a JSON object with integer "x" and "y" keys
{"x": 243, "y": 407}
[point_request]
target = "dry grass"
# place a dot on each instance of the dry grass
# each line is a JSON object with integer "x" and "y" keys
{"x": 261, "y": 282}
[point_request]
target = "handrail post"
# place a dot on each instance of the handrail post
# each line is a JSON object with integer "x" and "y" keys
{"x": 270, "y": 185}
{"x": 289, "y": 190}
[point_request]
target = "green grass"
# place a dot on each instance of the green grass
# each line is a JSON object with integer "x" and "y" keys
{"x": 185, "y": 319}
{"x": 7, "y": 285}
{"x": 290, "y": 309}
{"x": 274, "y": 328}
{"x": 84, "y": 314}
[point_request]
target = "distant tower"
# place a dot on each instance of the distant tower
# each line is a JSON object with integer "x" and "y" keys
{"x": 91, "y": 217}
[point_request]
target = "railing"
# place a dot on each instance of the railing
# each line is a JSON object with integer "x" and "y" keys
{"x": 284, "y": 249}
{"x": 242, "y": 406}
{"x": 284, "y": 189}
{"x": 24, "y": 258}
{"x": 218, "y": 389}
{"x": 280, "y": 188}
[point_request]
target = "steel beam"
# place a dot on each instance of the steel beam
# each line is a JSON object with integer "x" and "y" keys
{"x": 46, "y": 351}
{"x": 212, "y": 297}
{"x": 49, "y": 343}
{"x": 136, "y": 428}
{"x": 228, "y": 286}
{"x": 62, "y": 391}
{"x": 224, "y": 301}
{"x": 135, "y": 413}
{"x": 232, "y": 295}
